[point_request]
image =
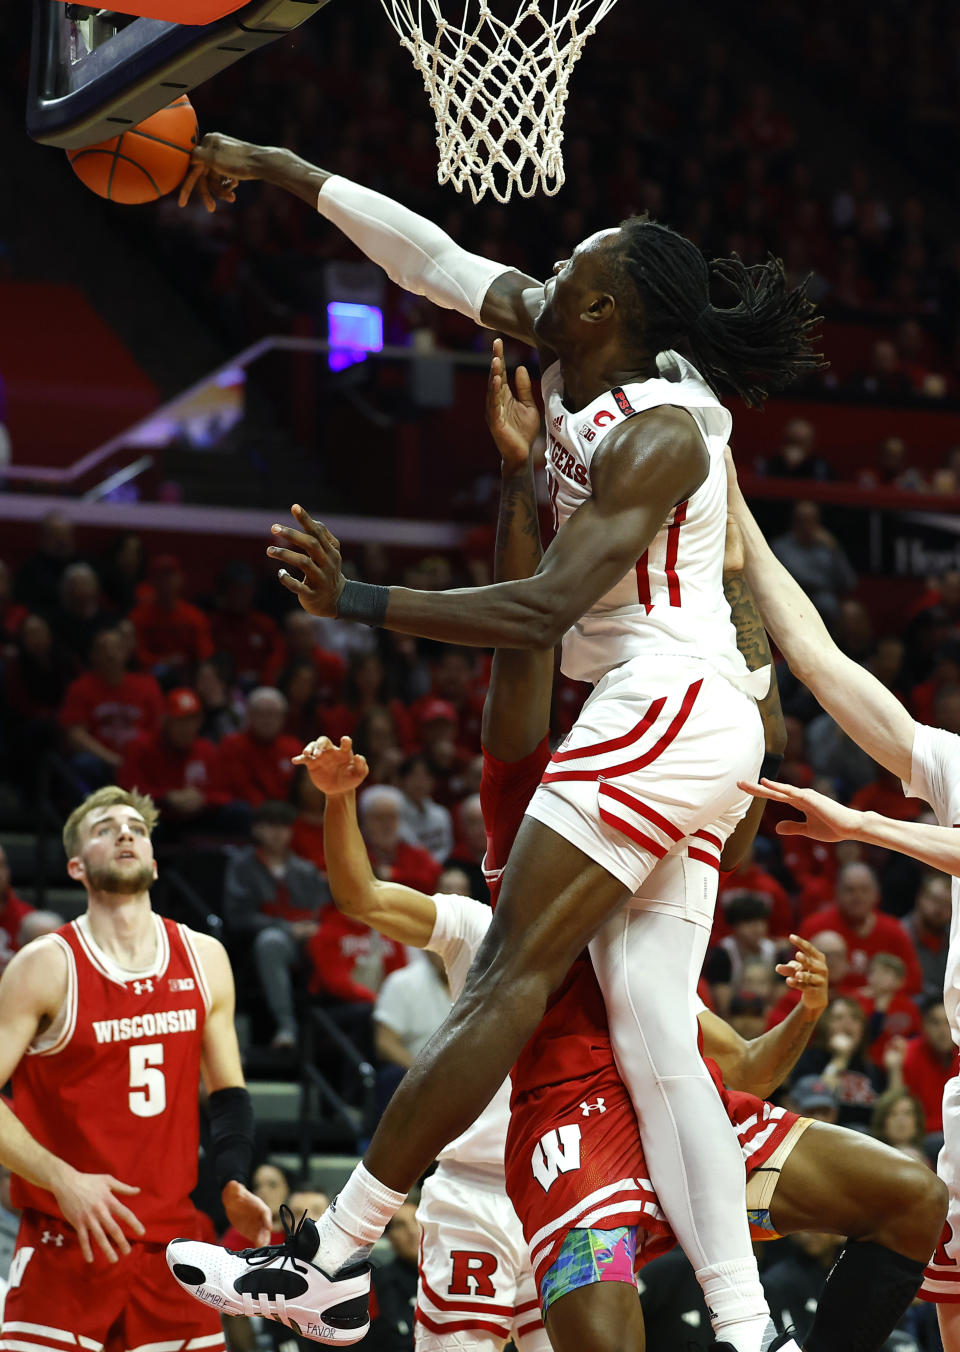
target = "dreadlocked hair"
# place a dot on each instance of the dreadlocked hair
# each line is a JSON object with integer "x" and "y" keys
{"x": 759, "y": 343}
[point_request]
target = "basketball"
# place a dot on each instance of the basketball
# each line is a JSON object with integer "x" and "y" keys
{"x": 143, "y": 163}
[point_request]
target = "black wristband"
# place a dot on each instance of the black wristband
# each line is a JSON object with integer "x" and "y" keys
{"x": 231, "y": 1134}
{"x": 770, "y": 765}
{"x": 363, "y": 601}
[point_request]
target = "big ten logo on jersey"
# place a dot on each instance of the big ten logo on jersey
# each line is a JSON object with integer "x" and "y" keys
{"x": 472, "y": 1273}
{"x": 558, "y": 1152}
{"x": 181, "y": 983}
{"x": 564, "y": 462}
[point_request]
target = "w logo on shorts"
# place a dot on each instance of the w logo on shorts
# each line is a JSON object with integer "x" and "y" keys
{"x": 558, "y": 1152}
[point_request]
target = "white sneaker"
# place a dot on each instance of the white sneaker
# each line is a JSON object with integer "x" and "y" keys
{"x": 278, "y": 1282}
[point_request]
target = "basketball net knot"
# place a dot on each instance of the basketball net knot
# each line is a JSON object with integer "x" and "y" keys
{"x": 498, "y": 89}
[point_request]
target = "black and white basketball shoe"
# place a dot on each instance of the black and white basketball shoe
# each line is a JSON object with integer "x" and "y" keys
{"x": 278, "y": 1282}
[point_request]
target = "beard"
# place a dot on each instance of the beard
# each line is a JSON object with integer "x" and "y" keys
{"x": 121, "y": 879}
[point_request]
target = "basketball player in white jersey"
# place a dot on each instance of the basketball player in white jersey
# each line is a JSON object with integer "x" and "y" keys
{"x": 927, "y": 761}
{"x": 633, "y": 579}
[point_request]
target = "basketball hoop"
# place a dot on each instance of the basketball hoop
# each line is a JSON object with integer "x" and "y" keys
{"x": 498, "y": 88}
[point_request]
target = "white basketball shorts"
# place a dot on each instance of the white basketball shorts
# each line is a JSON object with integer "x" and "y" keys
{"x": 476, "y": 1287}
{"x": 651, "y": 764}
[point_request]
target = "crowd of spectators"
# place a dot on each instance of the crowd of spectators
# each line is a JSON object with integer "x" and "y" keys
{"x": 204, "y": 701}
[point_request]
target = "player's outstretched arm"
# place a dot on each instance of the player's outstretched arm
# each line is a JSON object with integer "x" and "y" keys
{"x": 516, "y": 711}
{"x": 866, "y": 711}
{"x": 414, "y": 253}
{"x": 824, "y": 819}
{"x": 638, "y": 476}
{"x": 753, "y": 645}
{"x": 401, "y": 913}
{"x": 32, "y": 989}
{"x": 228, "y": 1104}
{"x": 759, "y": 1066}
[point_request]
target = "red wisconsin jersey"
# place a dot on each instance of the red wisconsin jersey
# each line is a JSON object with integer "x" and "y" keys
{"x": 111, "y": 1086}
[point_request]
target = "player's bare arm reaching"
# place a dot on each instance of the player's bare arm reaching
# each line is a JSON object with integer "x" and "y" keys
{"x": 752, "y": 642}
{"x": 869, "y": 714}
{"x": 638, "y": 477}
{"x": 414, "y": 252}
{"x": 866, "y": 710}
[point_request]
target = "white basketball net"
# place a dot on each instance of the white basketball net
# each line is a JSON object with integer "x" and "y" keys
{"x": 498, "y": 89}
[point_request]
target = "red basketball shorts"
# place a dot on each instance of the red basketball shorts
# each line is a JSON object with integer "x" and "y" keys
{"x": 574, "y": 1160}
{"x": 56, "y": 1300}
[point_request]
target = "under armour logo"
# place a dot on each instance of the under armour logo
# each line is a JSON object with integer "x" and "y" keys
{"x": 588, "y": 1108}
{"x": 50, "y": 1238}
{"x": 143, "y": 987}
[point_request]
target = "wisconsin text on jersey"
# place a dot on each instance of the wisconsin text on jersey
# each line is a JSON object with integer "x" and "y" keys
{"x": 145, "y": 1025}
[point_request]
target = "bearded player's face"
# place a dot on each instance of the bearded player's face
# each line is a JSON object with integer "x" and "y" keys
{"x": 117, "y": 852}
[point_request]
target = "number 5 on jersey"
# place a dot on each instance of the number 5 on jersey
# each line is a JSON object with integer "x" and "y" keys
{"x": 148, "y": 1088}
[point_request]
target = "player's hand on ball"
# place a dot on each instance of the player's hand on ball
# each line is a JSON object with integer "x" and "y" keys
{"x": 247, "y": 1213}
{"x": 807, "y": 973}
{"x": 824, "y": 819}
{"x": 514, "y": 420}
{"x": 333, "y": 769}
{"x": 316, "y": 553}
{"x": 89, "y": 1203}
{"x": 216, "y": 166}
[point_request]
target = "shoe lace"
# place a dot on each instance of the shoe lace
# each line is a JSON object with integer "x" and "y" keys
{"x": 287, "y": 1250}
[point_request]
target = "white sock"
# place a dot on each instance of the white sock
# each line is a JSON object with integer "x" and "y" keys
{"x": 355, "y": 1220}
{"x": 737, "y": 1305}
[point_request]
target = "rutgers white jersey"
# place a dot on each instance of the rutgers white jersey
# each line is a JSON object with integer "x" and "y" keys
{"x": 671, "y": 600}
{"x": 935, "y": 777}
{"x": 458, "y": 932}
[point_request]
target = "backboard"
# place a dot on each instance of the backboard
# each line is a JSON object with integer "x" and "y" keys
{"x": 93, "y": 73}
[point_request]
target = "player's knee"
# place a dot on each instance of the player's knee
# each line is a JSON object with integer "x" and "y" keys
{"x": 916, "y": 1203}
{"x": 932, "y": 1199}
{"x": 269, "y": 939}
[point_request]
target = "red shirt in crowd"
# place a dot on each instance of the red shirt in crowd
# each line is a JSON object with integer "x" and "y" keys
{"x": 902, "y": 1019}
{"x": 349, "y": 960}
{"x": 252, "y": 640}
{"x": 12, "y": 911}
{"x": 410, "y": 866}
{"x": 753, "y": 878}
{"x": 251, "y": 771}
{"x": 307, "y": 842}
{"x": 887, "y": 935}
{"x": 153, "y": 766}
{"x": 340, "y": 720}
{"x": 179, "y": 633}
{"x": 330, "y": 667}
{"x": 886, "y": 797}
{"x": 114, "y": 714}
{"x": 469, "y": 718}
{"x": 925, "y": 1075}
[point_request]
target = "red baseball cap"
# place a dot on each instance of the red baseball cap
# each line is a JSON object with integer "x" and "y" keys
{"x": 436, "y": 709}
{"x": 183, "y": 703}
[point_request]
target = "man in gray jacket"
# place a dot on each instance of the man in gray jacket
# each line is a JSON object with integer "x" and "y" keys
{"x": 271, "y": 901}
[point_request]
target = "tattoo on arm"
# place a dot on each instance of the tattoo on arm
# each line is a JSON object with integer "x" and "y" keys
{"x": 518, "y": 549}
{"x": 753, "y": 644}
{"x": 770, "y": 1058}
